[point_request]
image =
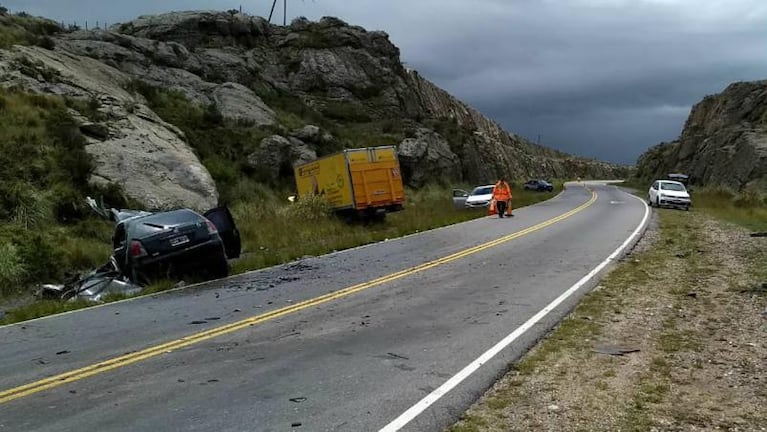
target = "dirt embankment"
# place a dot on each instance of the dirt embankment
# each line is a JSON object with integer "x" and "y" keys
{"x": 689, "y": 309}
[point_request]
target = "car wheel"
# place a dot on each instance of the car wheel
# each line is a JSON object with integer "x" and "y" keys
{"x": 649, "y": 201}
{"x": 220, "y": 268}
{"x": 139, "y": 278}
{"x": 687, "y": 208}
{"x": 657, "y": 202}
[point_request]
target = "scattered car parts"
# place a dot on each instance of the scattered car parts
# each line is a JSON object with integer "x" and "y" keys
{"x": 148, "y": 246}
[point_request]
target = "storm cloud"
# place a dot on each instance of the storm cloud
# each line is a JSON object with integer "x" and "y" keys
{"x": 598, "y": 78}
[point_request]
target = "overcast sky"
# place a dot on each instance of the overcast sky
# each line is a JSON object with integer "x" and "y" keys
{"x": 598, "y": 78}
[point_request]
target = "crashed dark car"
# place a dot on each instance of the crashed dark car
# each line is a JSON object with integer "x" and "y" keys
{"x": 171, "y": 243}
{"x": 168, "y": 244}
{"x": 148, "y": 246}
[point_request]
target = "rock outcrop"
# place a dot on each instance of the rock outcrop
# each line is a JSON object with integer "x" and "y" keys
{"x": 250, "y": 73}
{"x": 131, "y": 145}
{"x": 724, "y": 141}
{"x": 426, "y": 157}
{"x": 276, "y": 155}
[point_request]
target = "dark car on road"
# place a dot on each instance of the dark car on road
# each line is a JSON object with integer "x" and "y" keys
{"x": 539, "y": 185}
{"x": 173, "y": 243}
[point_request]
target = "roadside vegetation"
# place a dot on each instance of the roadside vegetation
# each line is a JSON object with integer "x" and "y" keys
{"x": 691, "y": 300}
{"x": 23, "y": 29}
{"x": 747, "y": 208}
{"x": 274, "y": 233}
{"x": 44, "y": 229}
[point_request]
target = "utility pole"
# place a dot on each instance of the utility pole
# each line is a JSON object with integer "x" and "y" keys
{"x": 284, "y": 12}
{"x": 274, "y": 3}
{"x": 539, "y": 139}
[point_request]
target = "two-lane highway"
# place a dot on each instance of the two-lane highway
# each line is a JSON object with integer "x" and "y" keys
{"x": 402, "y": 334}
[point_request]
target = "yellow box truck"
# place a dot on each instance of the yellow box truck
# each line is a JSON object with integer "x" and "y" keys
{"x": 365, "y": 181}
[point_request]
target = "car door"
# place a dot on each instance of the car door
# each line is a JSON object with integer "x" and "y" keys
{"x": 224, "y": 221}
{"x": 459, "y": 198}
{"x": 120, "y": 246}
{"x": 653, "y": 193}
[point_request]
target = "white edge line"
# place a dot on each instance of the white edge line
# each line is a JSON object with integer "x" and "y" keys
{"x": 434, "y": 396}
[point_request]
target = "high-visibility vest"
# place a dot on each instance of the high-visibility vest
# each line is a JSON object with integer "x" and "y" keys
{"x": 502, "y": 191}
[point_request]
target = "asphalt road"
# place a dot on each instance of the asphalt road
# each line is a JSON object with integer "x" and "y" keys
{"x": 274, "y": 351}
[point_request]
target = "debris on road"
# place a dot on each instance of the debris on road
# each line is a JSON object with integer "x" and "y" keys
{"x": 298, "y": 399}
{"x": 614, "y": 350}
{"x": 397, "y": 356}
{"x": 93, "y": 286}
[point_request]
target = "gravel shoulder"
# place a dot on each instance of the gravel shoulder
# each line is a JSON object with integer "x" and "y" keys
{"x": 672, "y": 339}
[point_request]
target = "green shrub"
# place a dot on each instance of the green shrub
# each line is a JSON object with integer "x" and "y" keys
{"x": 12, "y": 269}
{"x": 23, "y": 29}
{"x": 32, "y": 211}
{"x": 307, "y": 208}
{"x": 749, "y": 197}
{"x": 82, "y": 253}
{"x": 345, "y": 111}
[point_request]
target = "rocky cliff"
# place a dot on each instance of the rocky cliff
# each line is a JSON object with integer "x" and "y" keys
{"x": 724, "y": 141}
{"x": 185, "y": 105}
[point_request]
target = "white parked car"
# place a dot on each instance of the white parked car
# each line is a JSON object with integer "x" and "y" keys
{"x": 670, "y": 194}
{"x": 480, "y": 196}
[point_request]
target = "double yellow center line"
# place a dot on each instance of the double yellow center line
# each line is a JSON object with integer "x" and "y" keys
{"x": 154, "y": 351}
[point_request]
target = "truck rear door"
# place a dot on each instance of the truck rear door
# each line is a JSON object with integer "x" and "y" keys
{"x": 376, "y": 177}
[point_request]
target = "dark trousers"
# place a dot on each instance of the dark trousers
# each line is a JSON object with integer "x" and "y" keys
{"x": 501, "y": 207}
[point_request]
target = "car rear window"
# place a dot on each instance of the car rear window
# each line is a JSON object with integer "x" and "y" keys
{"x": 157, "y": 222}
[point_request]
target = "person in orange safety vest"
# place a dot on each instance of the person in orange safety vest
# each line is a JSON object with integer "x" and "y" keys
{"x": 502, "y": 197}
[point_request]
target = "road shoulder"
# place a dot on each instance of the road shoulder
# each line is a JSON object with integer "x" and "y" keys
{"x": 684, "y": 317}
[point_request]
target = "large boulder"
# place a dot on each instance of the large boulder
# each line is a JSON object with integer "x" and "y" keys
{"x": 152, "y": 164}
{"x": 426, "y": 157}
{"x": 276, "y": 156}
{"x": 311, "y": 134}
{"x": 239, "y": 103}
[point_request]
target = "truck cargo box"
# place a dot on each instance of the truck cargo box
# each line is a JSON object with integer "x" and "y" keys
{"x": 366, "y": 180}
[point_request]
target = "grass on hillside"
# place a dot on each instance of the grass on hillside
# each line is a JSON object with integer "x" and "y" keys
{"x": 747, "y": 209}
{"x": 44, "y": 230}
{"x": 23, "y": 29}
